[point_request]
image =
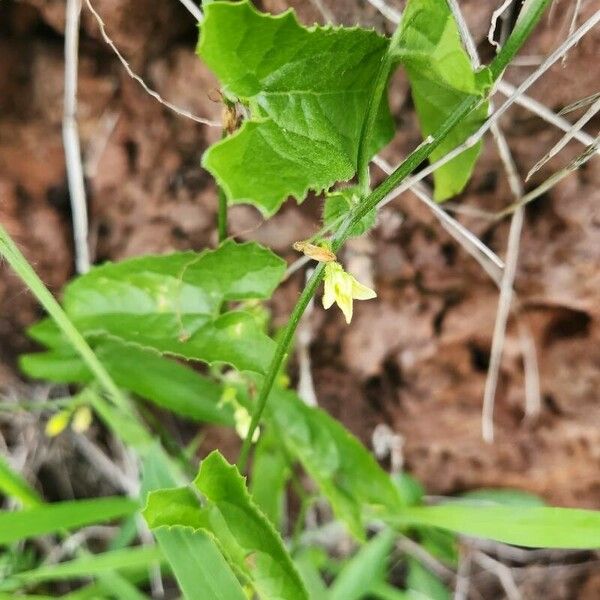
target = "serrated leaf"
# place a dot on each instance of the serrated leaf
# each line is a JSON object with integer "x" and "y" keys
{"x": 197, "y": 563}
{"x": 441, "y": 77}
{"x": 345, "y": 471}
{"x": 271, "y": 567}
{"x": 307, "y": 91}
{"x": 172, "y": 303}
{"x": 245, "y": 535}
{"x": 337, "y": 206}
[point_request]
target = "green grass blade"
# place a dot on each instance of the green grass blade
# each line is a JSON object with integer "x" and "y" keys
{"x": 536, "y": 527}
{"x": 14, "y": 486}
{"x": 94, "y": 564}
{"x": 59, "y": 516}
{"x": 199, "y": 567}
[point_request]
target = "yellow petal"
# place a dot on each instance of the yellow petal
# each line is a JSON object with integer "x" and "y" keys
{"x": 362, "y": 292}
{"x": 328, "y": 293}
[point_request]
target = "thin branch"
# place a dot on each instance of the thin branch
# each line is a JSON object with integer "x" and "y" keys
{"x": 393, "y": 15}
{"x": 584, "y": 157}
{"x": 465, "y": 34}
{"x": 512, "y": 253}
{"x": 499, "y": 12}
{"x": 587, "y": 116}
{"x": 579, "y": 104}
{"x": 180, "y": 111}
{"x": 327, "y": 15}
{"x": 573, "y": 24}
{"x": 71, "y": 139}
{"x": 542, "y": 111}
{"x": 502, "y": 572}
{"x": 193, "y": 10}
{"x": 490, "y": 262}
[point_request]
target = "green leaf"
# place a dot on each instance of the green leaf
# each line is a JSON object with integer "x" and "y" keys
{"x": 199, "y": 567}
{"x": 271, "y": 569}
{"x": 342, "y": 467}
{"x": 507, "y": 497}
{"x": 50, "y": 518}
{"x": 441, "y": 77}
{"x": 531, "y": 526}
{"x": 307, "y": 92}
{"x": 14, "y": 486}
{"x": 338, "y": 204}
{"x": 422, "y": 583}
{"x": 164, "y": 382}
{"x": 172, "y": 303}
{"x": 311, "y": 576}
{"x": 192, "y": 554}
{"x": 364, "y": 570}
{"x": 87, "y": 566}
{"x": 270, "y": 473}
{"x": 244, "y": 534}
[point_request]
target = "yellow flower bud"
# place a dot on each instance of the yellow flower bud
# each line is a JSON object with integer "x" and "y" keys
{"x": 57, "y": 423}
{"x": 82, "y": 419}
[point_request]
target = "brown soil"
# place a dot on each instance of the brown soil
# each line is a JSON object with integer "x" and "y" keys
{"x": 417, "y": 357}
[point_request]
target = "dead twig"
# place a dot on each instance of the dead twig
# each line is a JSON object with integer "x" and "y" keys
{"x": 180, "y": 111}
{"x": 70, "y": 135}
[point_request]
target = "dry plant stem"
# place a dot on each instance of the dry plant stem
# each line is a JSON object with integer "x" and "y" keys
{"x": 502, "y": 572}
{"x": 180, "y": 111}
{"x": 386, "y": 10}
{"x": 542, "y": 111}
{"x": 193, "y": 10}
{"x": 461, "y": 588}
{"x": 587, "y": 116}
{"x": 375, "y": 199}
{"x": 512, "y": 253}
{"x": 70, "y": 135}
{"x": 487, "y": 259}
{"x": 589, "y": 153}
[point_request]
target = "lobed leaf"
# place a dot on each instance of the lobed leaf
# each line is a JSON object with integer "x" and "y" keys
{"x": 307, "y": 90}
{"x": 441, "y": 77}
{"x": 244, "y": 534}
{"x": 172, "y": 304}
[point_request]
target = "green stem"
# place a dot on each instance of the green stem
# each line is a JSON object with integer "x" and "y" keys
{"x": 530, "y": 15}
{"x": 368, "y": 128}
{"x": 23, "y": 269}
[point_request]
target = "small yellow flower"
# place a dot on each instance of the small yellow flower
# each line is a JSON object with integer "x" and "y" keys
{"x": 82, "y": 419}
{"x": 341, "y": 287}
{"x": 57, "y": 423}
